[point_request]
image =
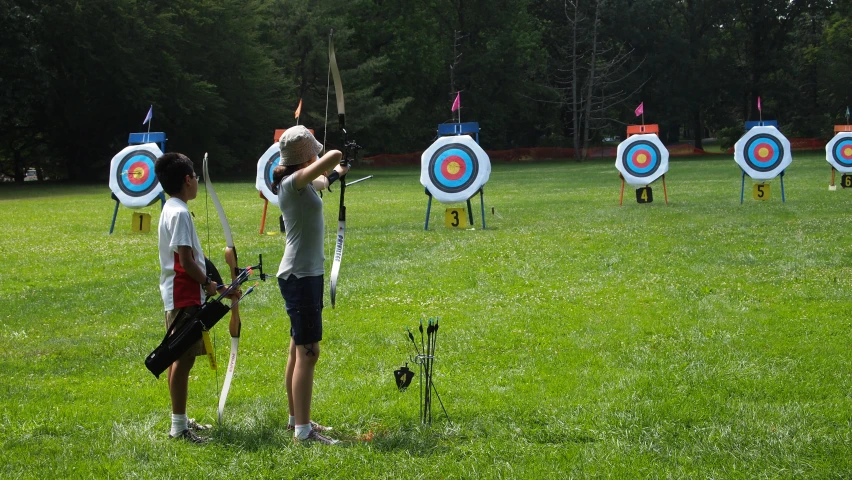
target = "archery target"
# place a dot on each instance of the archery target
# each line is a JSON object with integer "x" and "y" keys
{"x": 763, "y": 153}
{"x": 132, "y": 178}
{"x": 641, "y": 159}
{"x": 265, "y": 166}
{"x": 838, "y": 152}
{"x": 454, "y": 168}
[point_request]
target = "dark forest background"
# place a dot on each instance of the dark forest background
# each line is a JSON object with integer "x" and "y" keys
{"x": 77, "y": 76}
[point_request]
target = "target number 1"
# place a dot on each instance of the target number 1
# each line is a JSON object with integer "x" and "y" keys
{"x": 455, "y": 218}
{"x": 141, "y": 223}
{"x": 760, "y": 191}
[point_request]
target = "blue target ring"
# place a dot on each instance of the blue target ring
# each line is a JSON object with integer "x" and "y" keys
{"x": 641, "y": 159}
{"x": 453, "y": 168}
{"x": 763, "y": 152}
{"x": 271, "y": 163}
{"x": 135, "y": 173}
{"x": 842, "y": 152}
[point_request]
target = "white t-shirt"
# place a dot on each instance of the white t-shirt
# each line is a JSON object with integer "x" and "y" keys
{"x": 176, "y": 229}
{"x": 303, "y": 221}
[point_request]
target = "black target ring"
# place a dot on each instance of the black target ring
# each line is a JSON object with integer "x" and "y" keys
{"x": 130, "y": 161}
{"x": 449, "y": 153}
{"x": 763, "y": 152}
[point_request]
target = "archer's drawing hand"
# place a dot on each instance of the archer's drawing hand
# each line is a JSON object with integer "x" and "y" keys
{"x": 211, "y": 288}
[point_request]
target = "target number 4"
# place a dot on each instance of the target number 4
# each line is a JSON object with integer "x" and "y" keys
{"x": 846, "y": 181}
{"x": 760, "y": 191}
{"x": 455, "y": 218}
{"x": 141, "y": 223}
{"x": 644, "y": 195}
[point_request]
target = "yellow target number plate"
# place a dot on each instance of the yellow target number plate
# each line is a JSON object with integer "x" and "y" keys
{"x": 846, "y": 181}
{"x": 141, "y": 223}
{"x": 455, "y": 218}
{"x": 760, "y": 191}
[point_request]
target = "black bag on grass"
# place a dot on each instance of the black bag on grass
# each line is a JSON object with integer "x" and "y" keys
{"x": 178, "y": 340}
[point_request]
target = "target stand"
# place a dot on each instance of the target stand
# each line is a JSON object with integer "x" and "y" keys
{"x": 641, "y": 160}
{"x": 763, "y": 153}
{"x": 132, "y": 178}
{"x": 455, "y": 168}
{"x": 838, "y": 153}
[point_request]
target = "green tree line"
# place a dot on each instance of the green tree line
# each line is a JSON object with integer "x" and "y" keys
{"x": 78, "y": 75}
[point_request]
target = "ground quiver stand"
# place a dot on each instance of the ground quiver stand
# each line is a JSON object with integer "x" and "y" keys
{"x": 178, "y": 340}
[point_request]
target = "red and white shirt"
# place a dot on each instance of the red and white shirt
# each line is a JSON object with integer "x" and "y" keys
{"x": 176, "y": 229}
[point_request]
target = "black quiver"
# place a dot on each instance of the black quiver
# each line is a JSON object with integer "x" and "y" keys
{"x": 178, "y": 340}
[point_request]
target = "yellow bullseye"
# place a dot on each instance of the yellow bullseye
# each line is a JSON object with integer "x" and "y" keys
{"x": 847, "y": 152}
{"x": 642, "y": 159}
{"x": 763, "y": 152}
{"x": 453, "y": 168}
{"x": 138, "y": 172}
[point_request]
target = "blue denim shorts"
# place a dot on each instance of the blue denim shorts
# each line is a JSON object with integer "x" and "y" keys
{"x": 303, "y": 300}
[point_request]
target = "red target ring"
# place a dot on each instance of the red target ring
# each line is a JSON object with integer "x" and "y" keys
{"x": 453, "y": 167}
{"x": 138, "y": 173}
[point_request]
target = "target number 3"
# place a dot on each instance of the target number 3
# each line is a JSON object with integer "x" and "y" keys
{"x": 644, "y": 195}
{"x": 455, "y": 218}
{"x": 761, "y": 191}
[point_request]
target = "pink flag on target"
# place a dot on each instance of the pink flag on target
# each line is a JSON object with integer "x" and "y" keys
{"x": 640, "y": 109}
{"x": 456, "y": 102}
{"x": 758, "y": 105}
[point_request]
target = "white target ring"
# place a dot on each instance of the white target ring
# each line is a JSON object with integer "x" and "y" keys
{"x": 838, "y": 152}
{"x": 131, "y": 175}
{"x": 454, "y": 168}
{"x": 641, "y": 159}
{"x": 265, "y": 166}
{"x": 763, "y": 153}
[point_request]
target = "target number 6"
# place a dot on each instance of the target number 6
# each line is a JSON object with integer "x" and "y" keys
{"x": 846, "y": 181}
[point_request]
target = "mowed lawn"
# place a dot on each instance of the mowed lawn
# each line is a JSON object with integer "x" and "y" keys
{"x": 702, "y": 339}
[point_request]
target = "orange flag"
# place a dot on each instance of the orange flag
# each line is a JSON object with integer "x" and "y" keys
{"x": 299, "y": 109}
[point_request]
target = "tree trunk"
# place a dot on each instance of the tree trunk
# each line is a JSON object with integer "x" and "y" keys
{"x": 589, "y": 96}
{"x": 575, "y": 107}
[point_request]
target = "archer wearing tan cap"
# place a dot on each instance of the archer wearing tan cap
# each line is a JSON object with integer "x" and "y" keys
{"x": 300, "y": 276}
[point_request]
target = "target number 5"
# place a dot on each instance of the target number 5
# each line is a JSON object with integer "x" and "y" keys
{"x": 455, "y": 218}
{"x": 761, "y": 191}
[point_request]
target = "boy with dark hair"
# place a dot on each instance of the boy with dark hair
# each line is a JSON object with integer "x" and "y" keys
{"x": 183, "y": 279}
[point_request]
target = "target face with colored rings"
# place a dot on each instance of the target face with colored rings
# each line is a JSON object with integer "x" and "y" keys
{"x": 641, "y": 159}
{"x": 454, "y": 168}
{"x": 838, "y": 152}
{"x": 132, "y": 178}
{"x": 265, "y": 166}
{"x": 763, "y": 153}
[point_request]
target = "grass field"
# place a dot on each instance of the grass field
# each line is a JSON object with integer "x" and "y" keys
{"x": 702, "y": 339}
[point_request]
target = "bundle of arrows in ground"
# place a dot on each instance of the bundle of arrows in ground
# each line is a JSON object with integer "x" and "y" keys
{"x": 425, "y": 358}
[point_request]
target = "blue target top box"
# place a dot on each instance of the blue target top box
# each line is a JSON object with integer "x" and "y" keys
{"x": 763, "y": 123}
{"x": 148, "y": 137}
{"x": 445, "y": 129}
